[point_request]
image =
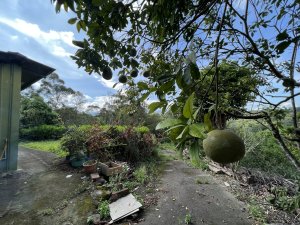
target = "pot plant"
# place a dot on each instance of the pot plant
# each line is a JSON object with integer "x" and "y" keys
{"x": 74, "y": 142}
{"x": 90, "y": 166}
{"x": 77, "y": 159}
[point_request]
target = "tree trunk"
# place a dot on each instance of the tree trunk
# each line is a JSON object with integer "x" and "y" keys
{"x": 282, "y": 144}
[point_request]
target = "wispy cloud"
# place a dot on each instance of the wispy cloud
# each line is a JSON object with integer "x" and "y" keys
{"x": 55, "y": 41}
{"x": 112, "y": 83}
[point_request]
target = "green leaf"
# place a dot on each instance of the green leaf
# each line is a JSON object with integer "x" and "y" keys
{"x": 79, "y": 44}
{"x": 188, "y": 107}
{"x": 57, "y": 7}
{"x": 175, "y": 127}
{"x": 142, "y": 86}
{"x": 196, "y": 130}
{"x": 72, "y": 20}
{"x": 96, "y": 2}
{"x": 282, "y": 36}
{"x": 194, "y": 152}
{"x": 71, "y": 4}
{"x": 282, "y": 46}
{"x": 166, "y": 86}
{"x": 194, "y": 71}
{"x": 207, "y": 122}
{"x": 168, "y": 123}
{"x": 78, "y": 26}
{"x": 155, "y": 105}
{"x": 187, "y": 75}
{"x": 183, "y": 134}
{"x": 145, "y": 96}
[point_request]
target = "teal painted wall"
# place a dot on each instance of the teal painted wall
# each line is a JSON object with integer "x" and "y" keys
{"x": 10, "y": 87}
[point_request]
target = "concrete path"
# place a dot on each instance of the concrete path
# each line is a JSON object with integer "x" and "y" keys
{"x": 32, "y": 194}
{"x": 30, "y": 162}
{"x": 191, "y": 193}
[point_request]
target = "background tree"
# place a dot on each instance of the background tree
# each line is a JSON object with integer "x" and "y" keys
{"x": 161, "y": 37}
{"x": 34, "y": 112}
{"x": 71, "y": 116}
{"x": 54, "y": 91}
{"x": 127, "y": 109}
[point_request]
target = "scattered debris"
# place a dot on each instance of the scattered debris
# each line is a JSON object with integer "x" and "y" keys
{"x": 123, "y": 207}
{"x": 119, "y": 194}
{"x": 101, "y": 194}
{"x": 68, "y": 176}
{"x": 227, "y": 184}
{"x": 94, "y": 176}
{"x": 100, "y": 181}
{"x": 110, "y": 168}
{"x": 217, "y": 169}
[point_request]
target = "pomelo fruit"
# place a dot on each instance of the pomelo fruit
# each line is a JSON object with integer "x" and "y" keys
{"x": 224, "y": 146}
{"x": 123, "y": 79}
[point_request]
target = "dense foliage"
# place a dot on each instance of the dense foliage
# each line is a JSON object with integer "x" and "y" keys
{"x": 34, "y": 112}
{"x": 170, "y": 39}
{"x": 42, "y": 132}
{"x": 131, "y": 144}
{"x": 262, "y": 150}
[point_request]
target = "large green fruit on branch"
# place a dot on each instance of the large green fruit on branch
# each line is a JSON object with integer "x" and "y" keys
{"x": 107, "y": 73}
{"x": 224, "y": 146}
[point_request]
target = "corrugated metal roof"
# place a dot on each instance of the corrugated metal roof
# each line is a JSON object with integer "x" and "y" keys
{"x": 32, "y": 71}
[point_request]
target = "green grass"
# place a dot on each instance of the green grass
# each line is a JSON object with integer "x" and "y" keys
{"x": 140, "y": 174}
{"x": 47, "y": 146}
{"x": 103, "y": 209}
{"x": 257, "y": 212}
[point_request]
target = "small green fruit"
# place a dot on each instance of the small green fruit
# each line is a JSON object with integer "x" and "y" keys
{"x": 224, "y": 146}
{"x": 107, "y": 73}
{"x": 134, "y": 73}
{"x": 147, "y": 73}
{"x": 132, "y": 52}
{"x": 123, "y": 79}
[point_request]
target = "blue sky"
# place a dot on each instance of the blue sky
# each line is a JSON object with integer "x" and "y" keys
{"x": 32, "y": 28}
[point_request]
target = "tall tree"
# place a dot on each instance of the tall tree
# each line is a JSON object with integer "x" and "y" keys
{"x": 54, "y": 91}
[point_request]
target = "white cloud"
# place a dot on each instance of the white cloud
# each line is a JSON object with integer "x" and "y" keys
{"x": 286, "y": 105}
{"x": 54, "y": 41}
{"x": 240, "y": 4}
{"x": 59, "y": 51}
{"x": 14, "y": 37}
{"x": 98, "y": 101}
{"x": 110, "y": 83}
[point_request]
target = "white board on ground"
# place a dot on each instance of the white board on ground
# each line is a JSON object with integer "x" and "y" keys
{"x": 123, "y": 207}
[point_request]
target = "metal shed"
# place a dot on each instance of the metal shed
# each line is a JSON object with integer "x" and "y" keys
{"x": 17, "y": 72}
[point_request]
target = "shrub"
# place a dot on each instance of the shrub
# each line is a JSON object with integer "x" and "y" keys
{"x": 42, "y": 132}
{"x": 131, "y": 144}
{"x": 139, "y": 146}
{"x": 74, "y": 140}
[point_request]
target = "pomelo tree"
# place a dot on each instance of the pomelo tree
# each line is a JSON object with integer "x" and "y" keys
{"x": 170, "y": 41}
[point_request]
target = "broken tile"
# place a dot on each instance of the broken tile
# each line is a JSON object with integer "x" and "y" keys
{"x": 124, "y": 207}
